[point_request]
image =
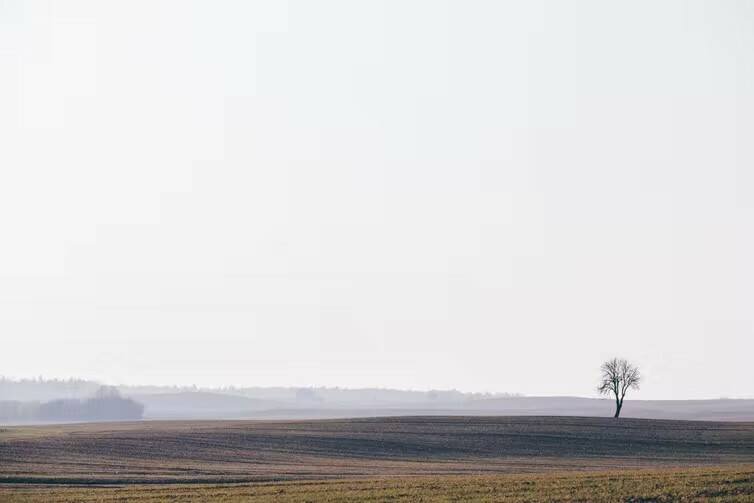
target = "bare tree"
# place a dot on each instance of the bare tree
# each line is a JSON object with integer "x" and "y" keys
{"x": 618, "y": 376}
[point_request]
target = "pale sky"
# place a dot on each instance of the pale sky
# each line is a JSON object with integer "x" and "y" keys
{"x": 488, "y": 196}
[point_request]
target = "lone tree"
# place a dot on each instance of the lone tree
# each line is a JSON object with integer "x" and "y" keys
{"x": 618, "y": 376}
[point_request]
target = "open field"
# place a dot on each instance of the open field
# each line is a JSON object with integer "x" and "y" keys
{"x": 380, "y": 458}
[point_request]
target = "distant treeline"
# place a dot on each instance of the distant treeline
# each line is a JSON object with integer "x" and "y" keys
{"x": 106, "y": 405}
{"x": 43, "y": 390}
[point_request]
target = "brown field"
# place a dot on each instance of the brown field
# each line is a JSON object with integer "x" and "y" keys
{"x": 409, "y": 458}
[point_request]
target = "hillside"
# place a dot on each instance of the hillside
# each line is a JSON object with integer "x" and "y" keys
{"x": 702, "y": 410}
{"x": 206, "y": 405}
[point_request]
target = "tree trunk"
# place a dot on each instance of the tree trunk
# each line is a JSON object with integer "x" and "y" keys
{"x": 618, "y": 407}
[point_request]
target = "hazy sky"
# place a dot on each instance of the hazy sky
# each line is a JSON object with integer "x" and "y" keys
{"x": 490, "y": 196}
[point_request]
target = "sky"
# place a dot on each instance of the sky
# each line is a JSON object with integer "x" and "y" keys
{"x": 479, "y": 195}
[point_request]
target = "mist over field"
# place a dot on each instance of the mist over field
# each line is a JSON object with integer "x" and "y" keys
{"x": 44, "y": 401}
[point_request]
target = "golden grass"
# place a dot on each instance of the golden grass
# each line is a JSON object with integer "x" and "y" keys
{"x": 730, "y": 484}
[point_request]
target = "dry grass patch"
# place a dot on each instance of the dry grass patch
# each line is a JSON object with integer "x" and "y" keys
{"x": 733, "y": 484}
